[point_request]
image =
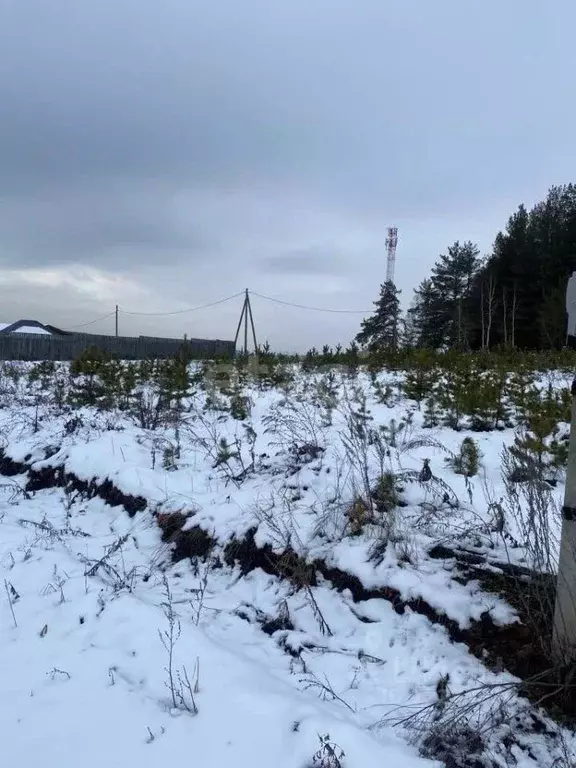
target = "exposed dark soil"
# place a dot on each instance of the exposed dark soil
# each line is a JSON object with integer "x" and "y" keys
{"x": 523, "y": 649}
{"x": 56, "y": 477}
{"x": 10, "y": 468}
{"x": 187, "y": 543}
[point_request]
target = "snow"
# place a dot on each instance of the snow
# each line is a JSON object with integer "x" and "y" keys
{"x": 93, "y": 684}
{"x": 27, "y": 329}
{"x": 83, "y": 664}
{"x": 33, "y": 329}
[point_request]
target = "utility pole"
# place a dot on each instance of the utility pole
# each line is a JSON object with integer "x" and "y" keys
{"x": 564, "y": 634}
{"x": 252, "y": 323}
{"x": 116, "y": 319}
{"x": 246, "y": 302}
{"x": 246, "y": 317}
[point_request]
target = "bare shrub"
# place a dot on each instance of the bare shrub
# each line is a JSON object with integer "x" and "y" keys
{"x": 277, "y": 514}
{"x": 295, "y": 422}
{"x": 235, "y": 459}
{"x": 12, "y": 596}
{"x": 182, "y": 691}
{"x": 456, "y": 726}
{"x": 329, "y": 754}
{"x": 111, "y": 567}
{"x": 374, "y": 455}
{"x": 148, "y": 408}
{"x": 324, "y": 688}
{"x": 531, "y": 506}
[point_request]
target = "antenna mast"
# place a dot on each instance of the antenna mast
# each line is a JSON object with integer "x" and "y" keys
{"x": 391, "y": 243}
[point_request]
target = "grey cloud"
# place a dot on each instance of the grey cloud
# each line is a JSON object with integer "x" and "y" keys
{"x": 361, "y": 102}
{"x": 226, "y": 140}
{"x": 98, "y": 225}
{"x": 310, "y": 262}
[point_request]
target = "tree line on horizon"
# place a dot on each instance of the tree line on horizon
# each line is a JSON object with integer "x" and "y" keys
{"x": 511, "y": 297}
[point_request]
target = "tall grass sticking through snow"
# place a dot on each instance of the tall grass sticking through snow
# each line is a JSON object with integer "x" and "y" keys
{"x": 323, "y": 563}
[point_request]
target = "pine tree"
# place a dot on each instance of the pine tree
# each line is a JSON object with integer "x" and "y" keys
{"x": 424, "y": 315}
{"x": 527, "y": 272}
{"x": 409, "y": 335}
{"x": 452, "y": 281}
{"x": 516, "y": 296}
{"x": 381, "y": 331}
{"x": 442, "y": 308}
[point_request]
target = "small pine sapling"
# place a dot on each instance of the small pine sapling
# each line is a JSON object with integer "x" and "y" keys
{"x": 431, "y": 413}
{"x": 225, "y": 453}
{"x": 467, "y": 461}
{"x": 169, "y": 456}
{"x": 537, "y": 442}
{"x": 359, "y": 514}
{"x": 392, "y": 431}
{"x": 420, "y": 381}
{"x": 385, "y": 494}
{"x": 453, "y": 397}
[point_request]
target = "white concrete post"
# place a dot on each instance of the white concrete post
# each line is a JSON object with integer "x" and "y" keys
{"x": 564, "y": 638}
{"x": 564, "y": 634}
{"x": 571, "y": 308}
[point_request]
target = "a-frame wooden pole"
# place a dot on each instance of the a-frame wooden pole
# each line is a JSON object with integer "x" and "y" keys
{"x": 252, "y": 324}
{"x": 240, "y": 322}
{"x": 246, "y": 317}
{"x": 246, "y": 307}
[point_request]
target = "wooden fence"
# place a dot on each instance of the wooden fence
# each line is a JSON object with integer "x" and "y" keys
{"x": 32, "y": 346}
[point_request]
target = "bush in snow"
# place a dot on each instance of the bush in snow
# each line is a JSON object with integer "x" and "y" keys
{"x": 329, "y": 755}
{"x": 86, "y": 386}
{"x": 420, "y": 380}
{"x": 466, "y": 461}
{"x": 182, "y": 690}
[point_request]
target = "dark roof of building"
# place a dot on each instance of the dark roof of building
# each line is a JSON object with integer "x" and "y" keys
{"x": 33, "y": 324}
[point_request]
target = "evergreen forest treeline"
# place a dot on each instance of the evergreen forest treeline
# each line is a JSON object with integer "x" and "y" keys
{"x": 513, "y": 297}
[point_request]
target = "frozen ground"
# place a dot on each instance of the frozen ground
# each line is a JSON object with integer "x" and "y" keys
{"x": 89, "y": 593}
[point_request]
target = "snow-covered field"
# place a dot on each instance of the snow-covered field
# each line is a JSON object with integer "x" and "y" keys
{"x": 115, "y": 652}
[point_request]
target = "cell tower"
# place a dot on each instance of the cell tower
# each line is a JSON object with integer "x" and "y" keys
{"x": 391, "y": 243}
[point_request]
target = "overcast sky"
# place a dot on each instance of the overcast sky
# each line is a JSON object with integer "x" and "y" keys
{"x": 161, "y": 154}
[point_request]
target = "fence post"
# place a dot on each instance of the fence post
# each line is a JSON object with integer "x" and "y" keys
{"x": 564, "y": 638}
{"x": 564, "y": 631}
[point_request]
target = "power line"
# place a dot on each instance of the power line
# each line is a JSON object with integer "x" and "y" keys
{"x": 181, "y": 311}
{"x": 222, "y": 301}
{"x": 314, "y": 309}
{"x": 91, "y": 322}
